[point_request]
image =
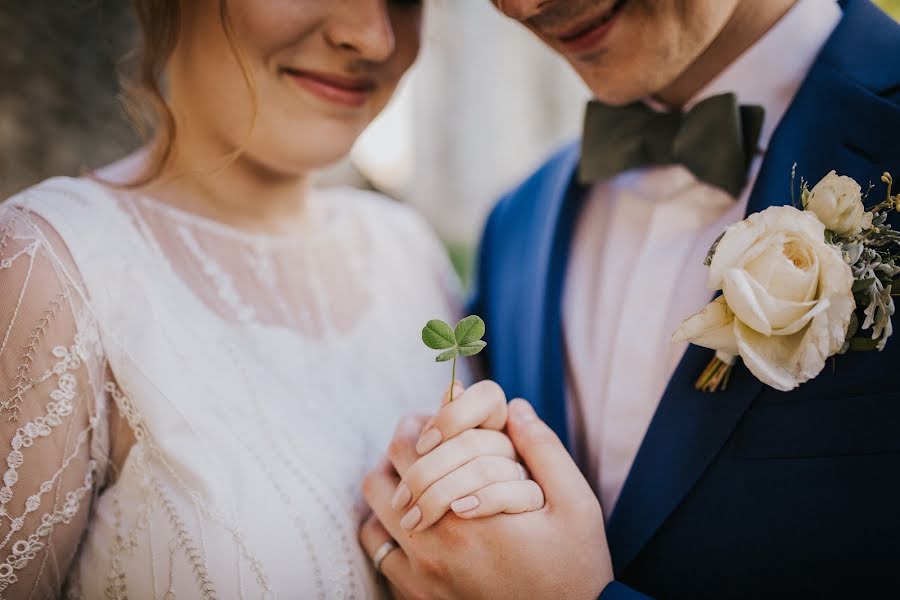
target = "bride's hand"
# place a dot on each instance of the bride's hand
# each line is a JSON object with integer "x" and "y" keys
{"x": 467, "y": 464}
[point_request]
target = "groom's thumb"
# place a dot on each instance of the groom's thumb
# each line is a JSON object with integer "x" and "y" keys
{"x": 547, "y": 459}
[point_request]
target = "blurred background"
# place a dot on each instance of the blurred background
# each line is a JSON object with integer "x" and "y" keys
{"x": 485, "y": 104}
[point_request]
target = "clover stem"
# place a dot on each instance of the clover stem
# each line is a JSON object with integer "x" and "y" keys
{"x": 453, "y": 379}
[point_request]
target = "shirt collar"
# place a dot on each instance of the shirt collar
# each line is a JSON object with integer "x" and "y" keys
{"x": 770, "y": 72}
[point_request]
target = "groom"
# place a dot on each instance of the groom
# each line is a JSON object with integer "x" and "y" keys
{"x": 589, "y": 266}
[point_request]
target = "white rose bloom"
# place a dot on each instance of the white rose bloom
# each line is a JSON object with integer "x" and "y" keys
{"x": 837, "y": 201}
{"x": 786, "y": 301}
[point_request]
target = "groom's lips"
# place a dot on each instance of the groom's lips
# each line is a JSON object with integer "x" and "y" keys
{"x": 587, "y": 36}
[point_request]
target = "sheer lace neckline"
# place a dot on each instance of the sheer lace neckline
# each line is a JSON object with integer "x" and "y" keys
{"x": 324, "y": 216}
{"x": 156, "y": 365}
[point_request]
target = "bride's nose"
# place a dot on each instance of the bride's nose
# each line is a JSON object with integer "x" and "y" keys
{"x": 362, "y": 27}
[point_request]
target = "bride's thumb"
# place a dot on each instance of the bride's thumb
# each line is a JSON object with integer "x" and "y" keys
{"x": 547, "y": 459}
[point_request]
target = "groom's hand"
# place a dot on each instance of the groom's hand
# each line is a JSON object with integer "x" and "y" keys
{"x": 558, "y": 551}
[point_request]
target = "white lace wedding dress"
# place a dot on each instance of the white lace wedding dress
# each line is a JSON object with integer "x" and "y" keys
{"x": 188, "y": 409}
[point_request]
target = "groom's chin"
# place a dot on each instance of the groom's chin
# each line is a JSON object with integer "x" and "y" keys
{"x": 611, "y": 88}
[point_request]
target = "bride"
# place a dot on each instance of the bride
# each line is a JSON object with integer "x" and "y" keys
{"x": 202, "y": 355}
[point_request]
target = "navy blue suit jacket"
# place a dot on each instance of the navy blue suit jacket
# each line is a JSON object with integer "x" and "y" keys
{"x": 748, "y": 493}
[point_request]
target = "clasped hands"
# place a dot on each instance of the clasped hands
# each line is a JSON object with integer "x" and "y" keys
{"x": 467, "y": 519}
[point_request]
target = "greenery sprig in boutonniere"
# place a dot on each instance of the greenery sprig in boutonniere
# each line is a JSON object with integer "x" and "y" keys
{"x": 463, "y": 340}
{"x": 800, "y": 284}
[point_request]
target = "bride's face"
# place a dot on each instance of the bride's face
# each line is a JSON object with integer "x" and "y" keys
{"x": 320, "y": 71}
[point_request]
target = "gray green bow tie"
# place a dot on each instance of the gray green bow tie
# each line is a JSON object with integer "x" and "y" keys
{"x": 715, "y": 140}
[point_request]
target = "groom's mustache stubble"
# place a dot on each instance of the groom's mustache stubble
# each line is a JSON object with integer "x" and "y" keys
{"x": 562, "y": 15}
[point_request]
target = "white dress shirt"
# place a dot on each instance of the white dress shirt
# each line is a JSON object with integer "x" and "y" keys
{"x": 636, "y": 268}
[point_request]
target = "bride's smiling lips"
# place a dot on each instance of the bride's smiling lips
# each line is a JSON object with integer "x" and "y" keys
{"x": 587, "y": 35}
{"x": 336, "y": 89}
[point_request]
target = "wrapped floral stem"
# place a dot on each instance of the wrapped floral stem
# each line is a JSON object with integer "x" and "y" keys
{"x": 717, "y": 373}
{"x": 799, "y": 285}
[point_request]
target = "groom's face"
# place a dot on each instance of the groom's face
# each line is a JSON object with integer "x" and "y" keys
{"x": 624, "y": 49}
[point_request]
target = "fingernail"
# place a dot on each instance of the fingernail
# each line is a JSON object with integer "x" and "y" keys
{"x": 401, "y": 497}
{"x": 411, "y": 519}
{"x": 465, "y": 504}
{"x": 429, "y": 441}
{"x": 520, "y": 410}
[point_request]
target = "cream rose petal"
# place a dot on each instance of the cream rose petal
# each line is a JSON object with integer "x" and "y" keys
{"x": 712, "y": 327}
{"x": 787, "y": 360}
{"x": 779, "y": 315}
{"x": 769, "y": 357}
{"x": 784, "y": 362}
{"x": 731, "y": 248}
{"x": 836, "y": 284}
{"x": 738, "y": 239}
{"x": 815, "y": 310}
{"x": 837, "y": 201}
{"x": 742, "y": 299}
{"x": 786, "y": 264}
{"x": 789, "y": 219}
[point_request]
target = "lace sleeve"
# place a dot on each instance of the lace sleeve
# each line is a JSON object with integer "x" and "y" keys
{"x": 52, "y": 421}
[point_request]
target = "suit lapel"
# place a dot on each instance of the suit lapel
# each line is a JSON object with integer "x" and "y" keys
{"x": 688, "y": 429}
{"x": 545, "y": 373}
{"x": 833, "y": 123}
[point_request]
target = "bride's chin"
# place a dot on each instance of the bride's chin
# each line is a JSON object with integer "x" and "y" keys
{"x": 298, "y": 163}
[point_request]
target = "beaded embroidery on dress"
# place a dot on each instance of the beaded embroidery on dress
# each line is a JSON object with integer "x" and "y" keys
{"x": 189, "y": 409}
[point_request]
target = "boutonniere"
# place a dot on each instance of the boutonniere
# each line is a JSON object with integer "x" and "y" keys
{"x": 799, "y": 284}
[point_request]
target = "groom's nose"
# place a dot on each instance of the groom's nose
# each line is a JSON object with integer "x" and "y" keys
{"x": 521, "y": 10}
